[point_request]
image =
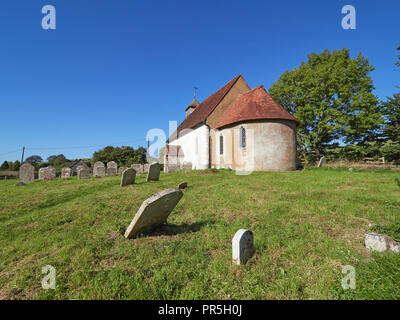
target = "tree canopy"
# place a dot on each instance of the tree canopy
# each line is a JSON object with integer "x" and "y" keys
{"x": 331, "y": 95}
{"x": 123, "y": 156}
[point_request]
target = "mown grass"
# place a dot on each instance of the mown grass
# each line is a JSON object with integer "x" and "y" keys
{"x": 307, "y": 225}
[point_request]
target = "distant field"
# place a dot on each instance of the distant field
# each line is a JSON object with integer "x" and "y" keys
{"x": 307, "y": 225}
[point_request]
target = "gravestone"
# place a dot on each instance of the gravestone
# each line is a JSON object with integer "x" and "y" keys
{"x": 154, "y": 211}
{"x": 350, "y": 169}
{"x": 128, "y": 177}
{"x": 83, "y": 173}
{"x": 154, "y": 172}
{"x": 121, "y": 169}
{"x": 321, "y": 162}
{"x": 145, "y": 168}
{"x": 138, "y": 168}
{"x": 27, "y": 173}
{"x": 112, "y": 168}
{"x": 381, "y": 243}
{"x": 99, "y": 169}
{"x": 182, "y": 185}
{"x": 66, "y": 172}
{"x": 47, "y": 173}
{"x": 242, "y": 246}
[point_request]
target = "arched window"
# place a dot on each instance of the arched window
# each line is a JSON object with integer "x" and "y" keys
{"x": 221, "y": 144}
{"x": 242, "y": 139}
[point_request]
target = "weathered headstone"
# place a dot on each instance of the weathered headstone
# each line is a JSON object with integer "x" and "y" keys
{"x": 83, "y": 173}
{"x": 66, "y": 172}
{"x": 47, "y": 173}
{"x": 182, "y": 185}
{"x": 350, "y": 169}
{"x": 138, "y": 168}
{"x": 145, "y": 168}
{"x": 154, "y": 211}
{"x": 381, "y": 243}
{"x": 154, "y": 172}
{"x": 321, "y": 162}
{"x": 112, "y": 168}
{"x": 99, "y": 169}
{"x": 27, "y": 173}
{"x": 121, "y": 169}
{"x": 242, "y": 246}
{"x": 128, "y": 177}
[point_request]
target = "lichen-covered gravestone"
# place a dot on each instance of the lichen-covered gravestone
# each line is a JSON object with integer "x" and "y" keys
{"x": 154, "y": 172}
{"x": 66, "y": 172}
{"x": 321, "y": 162}
{"x": 83, "y": 173}
{"x": 112, "y": 168}
{"x": 242, "y": 246}
{"x": 138, "y": 168}
{"x": 99, "y": 169}
{"x": 47, "y": 173}
{"x": 128, "y": 177}
{"x": 26, "y": 173}
{"x": 154, "y": 211}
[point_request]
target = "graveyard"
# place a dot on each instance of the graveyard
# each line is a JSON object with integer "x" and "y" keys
{"x": 306, "y": 225}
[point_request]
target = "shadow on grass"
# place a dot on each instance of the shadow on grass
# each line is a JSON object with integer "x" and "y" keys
{"x": 168, "y": 229}
{"x": 397, "y": 181}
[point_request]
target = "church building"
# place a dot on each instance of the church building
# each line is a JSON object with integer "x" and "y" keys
{"x": 238, "y": 128}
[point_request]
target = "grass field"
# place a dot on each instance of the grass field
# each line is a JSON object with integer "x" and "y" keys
{"x": 307, "y": 225}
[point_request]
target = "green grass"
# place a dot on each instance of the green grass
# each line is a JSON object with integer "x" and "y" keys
{"x": 307, "y": 225}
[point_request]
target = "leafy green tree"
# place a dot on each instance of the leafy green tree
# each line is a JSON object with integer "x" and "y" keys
{"x": 4, "y": 166}
{"x": 331, "y": 95}
{"x": 391, "y": 109}
{"x": 34, "y": 160}
{"x": 60, "y": 159}
{"x": 51, "y": 159}
{"x": 124, "y": 156}
{"x": 15, "y": 166}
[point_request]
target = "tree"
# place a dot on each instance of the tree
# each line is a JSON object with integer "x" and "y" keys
{"x": 124, "y": 156}
{"x": 34, "y": 160}
{"x": 331, "y": 95}
{"x": 51, "y": 159}
{"x": 15, "y": 166}
{"x": 4, "y": 166}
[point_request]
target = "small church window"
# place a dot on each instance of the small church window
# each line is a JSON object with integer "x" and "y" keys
{"x": 242, "y": 137}
{"x": 221, "y": 144}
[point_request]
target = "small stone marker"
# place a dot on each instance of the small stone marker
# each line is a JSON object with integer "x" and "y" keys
{"x": 128, "y": 177}
{"x": 322, "y": 161}
{"x": 99, "y": 169}
{"x": 83, "y": 173}
{"x": 121, "y": 169}
{"x": 381, "y": 243}
{"x": 350, "y": 169}
{"x": 154, "y": 211}
{"x": 47, "y": 173}
{"x": 26, "y": 173}
{"x": 20, "y": 184}
{"x": 182, "y": 185}
{"x": 112, "y": 168}
{"x": 242, "y": 246}
{"x": 154, "y": 172}
{"x": 66, "y": 172}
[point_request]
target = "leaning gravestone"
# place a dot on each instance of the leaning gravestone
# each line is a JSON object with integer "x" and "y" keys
{"x": 47, "y": 173}
{"x": 83, "y": 173}
{"x": 112, "y": 168}
{"x": 66, "y": 172}
{"x": 242, "y": 246}
{"x": 121, "y": 169}
{"x": 154, "y": 172}
{"x": 27, "y": 173}
{"x": 154, "y": 211}
{"x": 321, "y": 162}
{"x": 99, "y": 169}
{"x": 128, "y": 177}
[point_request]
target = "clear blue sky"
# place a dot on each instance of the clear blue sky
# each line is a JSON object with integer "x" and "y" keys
{"x": 112, "y": 70}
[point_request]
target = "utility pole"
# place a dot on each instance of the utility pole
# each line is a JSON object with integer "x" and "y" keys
{"x": 22, "y": 158}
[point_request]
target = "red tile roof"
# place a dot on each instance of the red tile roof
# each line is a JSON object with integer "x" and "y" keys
{"x": 204, "y": 109}
{"x": 255, "y": 104}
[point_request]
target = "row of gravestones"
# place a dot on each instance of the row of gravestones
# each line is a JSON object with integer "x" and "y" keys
{"x": 129, "y": 174}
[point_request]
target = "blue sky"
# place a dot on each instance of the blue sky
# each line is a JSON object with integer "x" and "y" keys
{"x": 112, "y": 70}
